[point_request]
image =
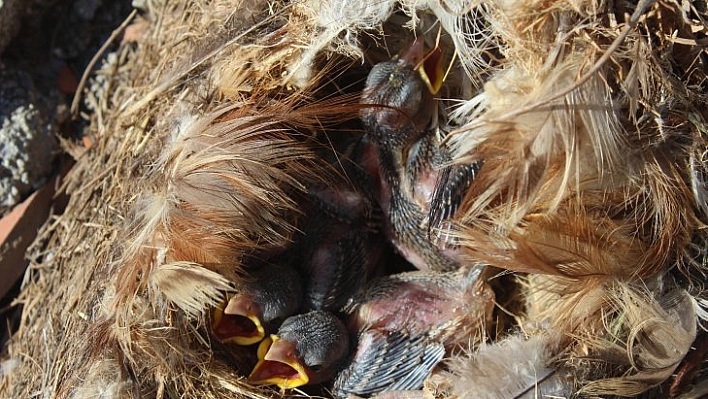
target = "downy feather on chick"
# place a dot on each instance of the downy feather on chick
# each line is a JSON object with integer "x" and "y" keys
{"x": 308, "y": 348}
{"x": 405, "y": 322}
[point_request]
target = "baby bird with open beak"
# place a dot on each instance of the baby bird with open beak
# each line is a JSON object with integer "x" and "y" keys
{"x": 406, "y": 321}
{"x": 272, "y": 293}
{"x": 407, "y": 157}
{"x": 307, "y": 349}
{"x": 338, "y": 249}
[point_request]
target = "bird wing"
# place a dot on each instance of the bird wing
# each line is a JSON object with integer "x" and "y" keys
{"x": 388, "y": 361}
{"x": 450, "y": 189}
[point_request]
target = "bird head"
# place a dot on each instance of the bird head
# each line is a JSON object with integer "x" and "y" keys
{"x": 400, "y": 93}
{"x": 307, "y": 349}
{"x": 270, "y": 294}
{"x": 239, "y": 321}
{"x": 279, "y": 363}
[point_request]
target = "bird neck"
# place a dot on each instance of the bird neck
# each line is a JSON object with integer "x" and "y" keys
{"x": 393, "y": 163}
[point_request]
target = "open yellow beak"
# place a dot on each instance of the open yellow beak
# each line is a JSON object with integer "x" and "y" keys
{"x": 278, "y": 364}
{"x": 429, "y": 65}
{"x": 238, "y": 321}
{"x": 431, "y": 70}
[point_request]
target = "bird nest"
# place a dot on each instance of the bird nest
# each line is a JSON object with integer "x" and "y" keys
{"x": 590, "y": 207}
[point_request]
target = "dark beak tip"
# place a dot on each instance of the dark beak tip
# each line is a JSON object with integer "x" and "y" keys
{"x": 414, "y": 53}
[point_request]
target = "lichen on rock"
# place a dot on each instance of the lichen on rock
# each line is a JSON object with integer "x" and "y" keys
{"x": 27, "y": 143}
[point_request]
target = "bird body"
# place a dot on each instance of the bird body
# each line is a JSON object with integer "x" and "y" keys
{"x": 337, "y": 266}
{"x": 446, "y": 306}
{"x": 408, "y": 157}
{"x": 404, "y": 324}
{"x": 388, "y": 361}
{"x": 340, "y": 243}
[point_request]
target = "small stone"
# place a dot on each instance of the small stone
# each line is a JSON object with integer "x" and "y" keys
{"x": 27, "y": 143}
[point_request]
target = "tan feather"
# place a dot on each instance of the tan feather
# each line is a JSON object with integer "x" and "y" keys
{"x": 648, "y": 336}
{"x": 699, "y": 163}
{"x": 568, "y": 243}
{"x": 564, "y": 189}
{"x": 189, "y": 286}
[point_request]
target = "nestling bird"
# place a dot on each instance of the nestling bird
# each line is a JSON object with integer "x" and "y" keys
{"x": 407, "y": 156}
{"x": 338, "y": 261}
{"x": 273, "y": 293}
{"x": 307, "y": 349}
{"x": 340, "y": 244}
{"x": 401, "y": 319}
{"x": 448, "y": 307}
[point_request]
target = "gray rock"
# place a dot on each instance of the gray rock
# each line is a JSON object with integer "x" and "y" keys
{"x": 27, "y": 143}
{"x": 11, "y": 12}
{"x": 86, "y": 9}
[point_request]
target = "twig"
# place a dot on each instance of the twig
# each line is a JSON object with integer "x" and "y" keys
{"x": 94, "y": 60}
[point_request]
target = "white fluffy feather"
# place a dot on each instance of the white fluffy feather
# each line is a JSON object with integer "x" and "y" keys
{"x": 513, "y": 368}
{"x": 189, "y": 286}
